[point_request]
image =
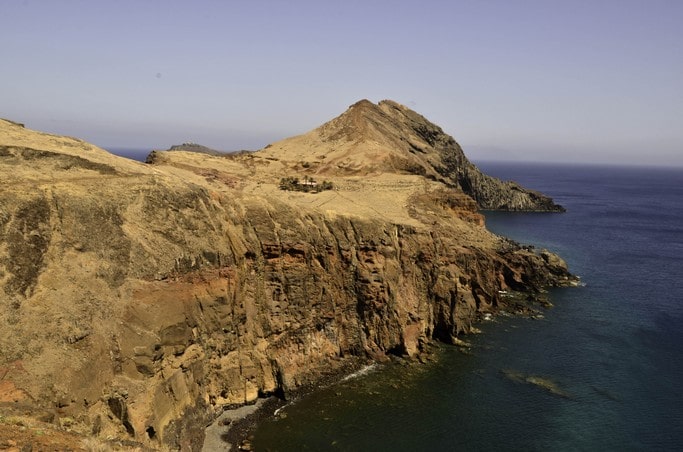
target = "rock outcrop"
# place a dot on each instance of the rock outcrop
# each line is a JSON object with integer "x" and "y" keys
{"x": 138, "y": 300}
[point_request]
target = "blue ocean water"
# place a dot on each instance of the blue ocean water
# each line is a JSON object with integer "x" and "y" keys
{"x": 131, "y": 153}
{"x": 603, "y": 370}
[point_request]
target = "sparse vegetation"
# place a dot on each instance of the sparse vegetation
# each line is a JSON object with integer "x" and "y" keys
{"x": 307, "y": 185}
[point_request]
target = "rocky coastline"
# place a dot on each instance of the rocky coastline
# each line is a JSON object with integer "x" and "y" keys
{"x": 233, "y": 428}
{"x": 139, "y": 300}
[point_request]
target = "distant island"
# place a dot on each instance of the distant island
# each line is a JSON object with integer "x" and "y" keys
{"x": 141, "y": 300}
{"x": 194, "y": 147}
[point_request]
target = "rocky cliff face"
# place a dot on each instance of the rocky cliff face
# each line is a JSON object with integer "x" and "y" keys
{"x": 139, "y": 300}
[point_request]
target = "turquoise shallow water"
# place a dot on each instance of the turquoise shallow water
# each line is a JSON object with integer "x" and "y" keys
{"x": 609, "y": 353}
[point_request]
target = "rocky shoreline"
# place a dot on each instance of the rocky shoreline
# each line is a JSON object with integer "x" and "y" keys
{"x": 233, "y": 429}
{"x": 234, "y": 426}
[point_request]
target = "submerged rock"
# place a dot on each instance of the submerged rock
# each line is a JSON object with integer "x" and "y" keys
{"x": 544, "y": 383}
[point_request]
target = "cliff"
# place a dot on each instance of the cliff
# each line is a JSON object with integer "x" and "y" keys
{"x": 138, "y": 300}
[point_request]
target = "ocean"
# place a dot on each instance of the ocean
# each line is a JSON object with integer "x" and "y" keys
{"x": 131, "y": 153}
{"x": 603, "y": 370}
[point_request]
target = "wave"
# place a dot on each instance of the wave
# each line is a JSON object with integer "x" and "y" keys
{"x": 359, "y": 373}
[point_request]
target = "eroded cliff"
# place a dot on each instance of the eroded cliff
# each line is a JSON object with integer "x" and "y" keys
{"x": 138, "y": 300}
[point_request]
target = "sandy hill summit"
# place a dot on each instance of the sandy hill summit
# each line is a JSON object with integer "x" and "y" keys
{"x": 140, "y": 300}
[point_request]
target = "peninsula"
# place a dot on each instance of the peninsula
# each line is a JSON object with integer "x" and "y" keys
{"x": 138, "y": 300}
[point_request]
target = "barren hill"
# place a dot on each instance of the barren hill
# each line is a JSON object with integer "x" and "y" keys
{"x": 390, "y": 138}
{"x": 139, "y": 300}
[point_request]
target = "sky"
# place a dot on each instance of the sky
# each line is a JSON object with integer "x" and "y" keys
{"x": 590, "y": 81}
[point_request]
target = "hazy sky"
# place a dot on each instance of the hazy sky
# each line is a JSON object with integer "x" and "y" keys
{"x": 596, "y": 81}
